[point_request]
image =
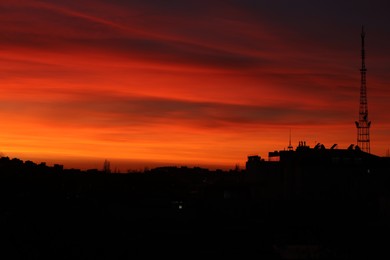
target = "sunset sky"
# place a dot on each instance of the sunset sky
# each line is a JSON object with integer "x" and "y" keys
{"x": 199, "y": 83}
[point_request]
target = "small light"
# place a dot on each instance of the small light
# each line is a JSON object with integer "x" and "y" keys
{"x": 180, "y": 206}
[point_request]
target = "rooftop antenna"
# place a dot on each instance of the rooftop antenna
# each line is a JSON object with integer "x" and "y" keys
{"x": 290, "y": 147}
{"x": 363, "y": 125}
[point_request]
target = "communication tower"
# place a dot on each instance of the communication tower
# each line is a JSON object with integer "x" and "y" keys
{"x": 363, "y": 125}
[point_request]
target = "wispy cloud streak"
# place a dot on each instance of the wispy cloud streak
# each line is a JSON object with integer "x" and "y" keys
{"x": 207, "y": 81}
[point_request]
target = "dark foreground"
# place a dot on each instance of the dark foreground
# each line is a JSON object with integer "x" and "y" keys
{"x": 181, "y": 214}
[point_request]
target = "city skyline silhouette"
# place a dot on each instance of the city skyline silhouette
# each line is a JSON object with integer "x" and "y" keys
{"x": 132, "y": 129}
{"x": 307, "y": 203}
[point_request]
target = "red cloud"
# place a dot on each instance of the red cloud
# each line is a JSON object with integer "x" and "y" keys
{"x": 203, "y": 83}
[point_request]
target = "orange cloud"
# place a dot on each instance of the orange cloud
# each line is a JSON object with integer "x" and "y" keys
{"x": 179, "y": 83}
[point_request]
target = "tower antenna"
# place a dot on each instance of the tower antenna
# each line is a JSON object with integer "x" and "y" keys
{"x": 290, "y": 147}
{"x": 363, "y": 125}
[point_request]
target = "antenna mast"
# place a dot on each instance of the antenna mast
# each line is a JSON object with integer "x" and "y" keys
{"x": 363, "y": 125}
{"x": 290, "y": 147}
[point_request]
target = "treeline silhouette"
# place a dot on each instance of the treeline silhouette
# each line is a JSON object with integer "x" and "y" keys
{"x": 278, "y": 211}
